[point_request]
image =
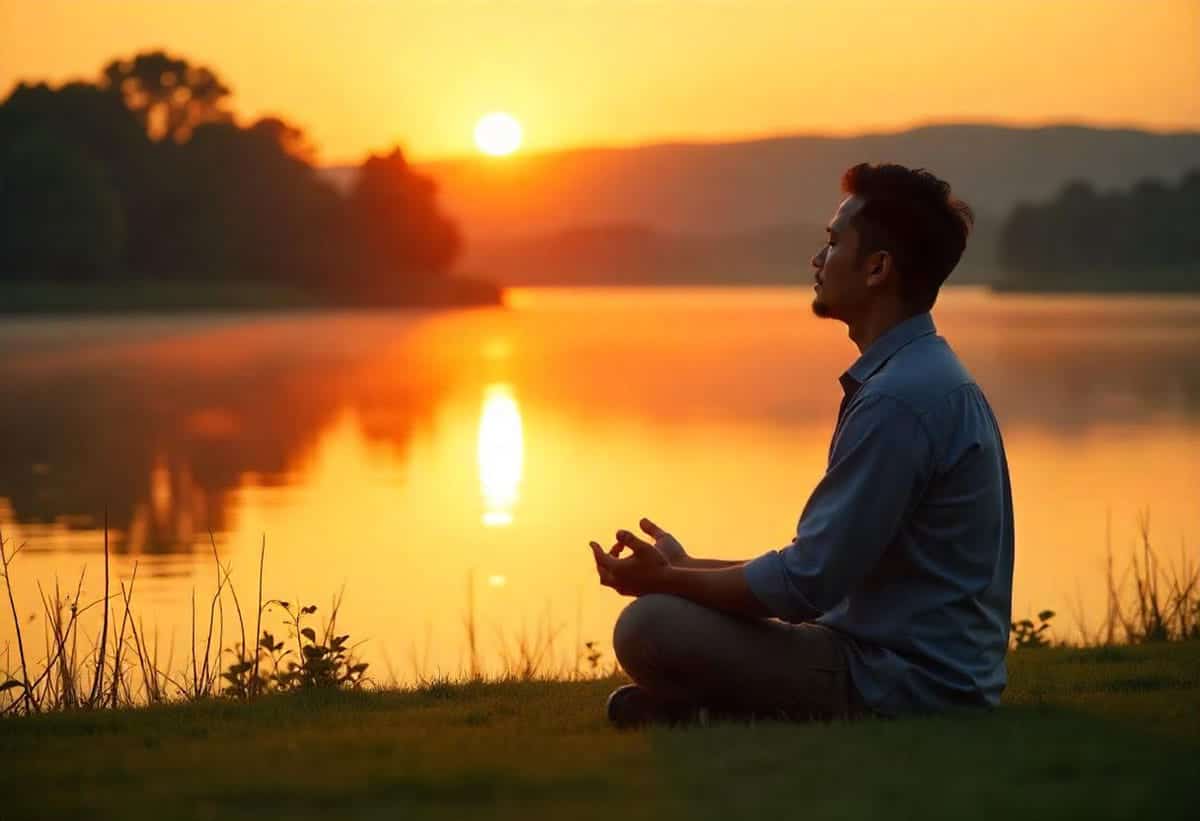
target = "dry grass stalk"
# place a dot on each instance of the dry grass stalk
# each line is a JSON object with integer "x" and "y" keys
{"x": 26, "y": 689}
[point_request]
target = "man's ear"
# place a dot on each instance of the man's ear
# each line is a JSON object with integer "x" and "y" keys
{"x": 879, "y": 268}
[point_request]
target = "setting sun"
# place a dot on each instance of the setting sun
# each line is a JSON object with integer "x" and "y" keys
{"x": 498, "y": 134}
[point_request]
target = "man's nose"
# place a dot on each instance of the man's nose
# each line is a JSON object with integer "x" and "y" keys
{"x": 818, "y": 259}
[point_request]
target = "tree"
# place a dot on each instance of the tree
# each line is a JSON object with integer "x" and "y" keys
{"x": 1140, "y": 239}
{"x": 397, "y": 224}
{"x": 60, "y": 216}
{"x": 145, "y": 176}
{"x": 169, "y": 96}
{"x": 245, "y": 206}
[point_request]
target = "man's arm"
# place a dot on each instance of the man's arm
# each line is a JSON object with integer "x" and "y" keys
{"x": 881, "y": 462}
{"x": 709, "y": 564}
{"x": 879, "y": 465}
{"x": 717, "y": 583}
{"x": 648, "y": 570}
{"x": 670, "y": 547}
{"x": 721, "y": 588}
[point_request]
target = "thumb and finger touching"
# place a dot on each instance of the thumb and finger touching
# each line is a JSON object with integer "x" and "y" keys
{"x": 651, "y": 528}
{"x": 633, "y": 542}
{"x": 602, "y": 559}
{"x": 607, "y": 562}
{"x": 604, "y": 564}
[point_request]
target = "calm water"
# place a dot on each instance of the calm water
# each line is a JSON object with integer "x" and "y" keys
{"x": 405, "y": 455}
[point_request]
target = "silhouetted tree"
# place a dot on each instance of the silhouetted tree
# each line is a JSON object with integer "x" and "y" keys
{"x": 169, "y": 96}
{"x": 71, "y": 163}
{"x": 146, "y": 176}
{"x": 1141, "y": 239}
{"x": 60, "y": 216}
{"x": 254, "y": 209}
{"x": 397, "y": 224}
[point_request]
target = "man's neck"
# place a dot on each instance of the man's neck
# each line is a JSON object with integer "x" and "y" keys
{"x": 866, "y": 329}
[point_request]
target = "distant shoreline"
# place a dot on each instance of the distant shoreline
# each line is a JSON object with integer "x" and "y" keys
{"x": 58, "y": 298}
{"x": 82, "y": 299}
{"x": 1115, "y": 289}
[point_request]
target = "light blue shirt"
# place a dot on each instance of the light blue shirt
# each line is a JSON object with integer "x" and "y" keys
{"x": 906, "y": 545}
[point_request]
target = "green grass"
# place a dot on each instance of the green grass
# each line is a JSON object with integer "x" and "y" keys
{"x": 1095, "y": 733}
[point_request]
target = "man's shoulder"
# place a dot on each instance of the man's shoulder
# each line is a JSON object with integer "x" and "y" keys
{"x": 921, "y": 375}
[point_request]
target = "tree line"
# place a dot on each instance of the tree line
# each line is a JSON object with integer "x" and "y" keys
{"x": 1146, "y": 238}
{"x": 145, "y": 175}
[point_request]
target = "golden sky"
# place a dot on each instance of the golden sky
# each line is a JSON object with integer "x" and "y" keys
{"x": 363, "y": 75}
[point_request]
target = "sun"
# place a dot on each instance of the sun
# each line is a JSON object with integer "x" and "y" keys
{"x": 498, "y": 134}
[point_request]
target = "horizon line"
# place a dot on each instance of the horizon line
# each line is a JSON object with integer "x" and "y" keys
{"x": 684, "y": 142}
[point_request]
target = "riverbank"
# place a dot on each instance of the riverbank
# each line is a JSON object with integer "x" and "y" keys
{"x": 1094, "y": 733}
{"x": 33, "y": 298}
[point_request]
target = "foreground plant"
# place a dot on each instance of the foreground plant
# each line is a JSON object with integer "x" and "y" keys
{"x": 1026, "y": 635}
{"x": 120, "y": 666}
{"x": 318, "y": 662}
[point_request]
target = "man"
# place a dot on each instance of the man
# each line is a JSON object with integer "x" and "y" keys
{"x": 895, "y": 595}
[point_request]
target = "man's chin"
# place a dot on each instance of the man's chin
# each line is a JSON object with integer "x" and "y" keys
{"x": 820, "y": 309}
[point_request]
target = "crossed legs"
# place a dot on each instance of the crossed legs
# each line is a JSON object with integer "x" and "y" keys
{"x": 680, "y": 651}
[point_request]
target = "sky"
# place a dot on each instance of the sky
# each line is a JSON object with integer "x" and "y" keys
{"x": 365, "y": 75}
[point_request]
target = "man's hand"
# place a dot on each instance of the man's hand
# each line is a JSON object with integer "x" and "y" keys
{"x": 665, "y": 567}
{"x": 646, "y": 570}
{"x": 664, "y": 542}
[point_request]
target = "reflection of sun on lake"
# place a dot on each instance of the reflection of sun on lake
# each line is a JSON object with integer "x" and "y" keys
{"x": 425, "y": 460}
{"x": 501, "y": 454}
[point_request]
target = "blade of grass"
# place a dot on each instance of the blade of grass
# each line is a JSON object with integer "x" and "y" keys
{"x": 98, "y": 678}
{"x": 5, "y": 560}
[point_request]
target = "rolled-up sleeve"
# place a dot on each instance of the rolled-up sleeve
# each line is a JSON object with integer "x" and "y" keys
{"x": 879, "y": 465}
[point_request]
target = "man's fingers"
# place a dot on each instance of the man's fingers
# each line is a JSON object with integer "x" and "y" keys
{"x": 603, "y": 565}
{"x": 633, "y": 542}
{"x": 652, "y": 529}
{"x": 615, "y": 550}
{"x": 602, "y": 558}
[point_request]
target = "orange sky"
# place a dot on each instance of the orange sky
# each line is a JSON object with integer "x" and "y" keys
{"x": 362, "y": 75}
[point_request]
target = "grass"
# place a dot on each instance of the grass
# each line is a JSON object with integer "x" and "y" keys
{"x": 120, "y": 667}
{"x": 1100, "y": 732}
{"x": 1096, "y": 733}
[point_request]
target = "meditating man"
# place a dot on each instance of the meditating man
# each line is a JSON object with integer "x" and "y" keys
{"x": 895, "y": 595}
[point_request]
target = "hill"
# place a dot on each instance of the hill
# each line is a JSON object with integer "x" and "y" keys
{"x": 679, "y": 201}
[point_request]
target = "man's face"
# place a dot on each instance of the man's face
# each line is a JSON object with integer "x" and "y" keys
{"x": 841, "y": 278}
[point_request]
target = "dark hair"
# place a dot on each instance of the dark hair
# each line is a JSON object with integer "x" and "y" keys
{"x": 912, "y": 215}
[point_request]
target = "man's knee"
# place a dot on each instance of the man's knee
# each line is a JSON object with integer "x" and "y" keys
{"x": 643, "y": 628}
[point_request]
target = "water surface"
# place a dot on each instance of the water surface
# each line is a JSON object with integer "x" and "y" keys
{"x": 422, "y": 459}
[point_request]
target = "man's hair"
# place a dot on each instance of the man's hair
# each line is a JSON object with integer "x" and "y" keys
{"x": 912, "y": 215}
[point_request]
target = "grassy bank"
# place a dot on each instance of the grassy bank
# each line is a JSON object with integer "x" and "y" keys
{"x": 182, "y": 296}
{"x": 1084, "y": 733}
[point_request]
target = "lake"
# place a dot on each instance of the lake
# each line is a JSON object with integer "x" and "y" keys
{"x": 435, "y": 464}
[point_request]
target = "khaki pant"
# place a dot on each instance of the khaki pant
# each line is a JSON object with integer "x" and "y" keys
{"x": 681, "y": 651}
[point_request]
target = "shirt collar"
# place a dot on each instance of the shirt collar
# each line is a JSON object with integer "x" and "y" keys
{"x": 884, "y": 348}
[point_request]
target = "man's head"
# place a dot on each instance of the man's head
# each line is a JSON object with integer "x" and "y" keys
{"x": 895, "y": 238}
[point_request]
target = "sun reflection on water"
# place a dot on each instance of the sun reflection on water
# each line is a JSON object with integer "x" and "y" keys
{"x": 501, "y": 454}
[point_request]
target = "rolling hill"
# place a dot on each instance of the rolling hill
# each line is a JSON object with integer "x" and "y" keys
{"x": 752, "y": 211}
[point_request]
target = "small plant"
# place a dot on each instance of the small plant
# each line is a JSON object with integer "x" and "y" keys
{"x": 322, "y": 661}
{"x": 244, "y": 677}
{"x": 1027, "y": 635}
{"x": 593, "y": 656}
